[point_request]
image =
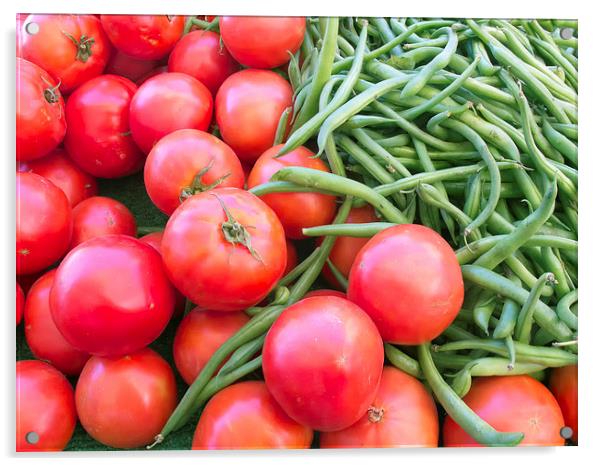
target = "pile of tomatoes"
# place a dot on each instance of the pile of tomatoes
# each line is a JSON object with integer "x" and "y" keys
{"x": 107, "y": 96}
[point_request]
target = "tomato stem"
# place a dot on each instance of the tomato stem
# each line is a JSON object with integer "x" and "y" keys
{"x": 197, "y": 186}
{"x": 83, "y": 46}
{"x": 375, "y": 414}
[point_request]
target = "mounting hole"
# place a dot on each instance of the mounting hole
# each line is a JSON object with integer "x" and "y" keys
{"x": 566, "y": 432}
{"x": 32, "y": 28}
{"x": 566, "y": 33}
{"x": 32, "y": 438}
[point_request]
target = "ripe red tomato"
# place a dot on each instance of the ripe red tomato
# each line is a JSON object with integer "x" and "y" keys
{"x": 111, "y": 296}
{"x": 295, "y": 210}
{"x": 43, "y": 338}
{"x": 322, "y": 362}
{"x": 262, "y": 41}
{"x": 338, "y": 294}
{"x": 20, "y": 299}
{"x": 224, "y": 249}
{"x": 129, "y": 67}
{"x": 41, "y": 122}
{"x": 60, "y": 169}
{"x": 346, "y": 248}
{"x": 246, "y": 416}
{"x": 563, "y": 385}
{"x": 71, "y": 48}
{"x": 201, "y": 55}
{"x": 199, "y": 335}
{"x": 98, "y": 135}
{"x": 516, "y": 403}
{"x": 174, "y": 163}
{"x": 101, "y": 216}
{"x": 403, "y": 414}
{"x": 144, "y": 37}
{"x": 124, "y": 401}
{"x": 291, "y": 257}
{"x": 45, "y": 406}
{"x": 44, "y": 223}
{"x": 184, "y": 102}
{"x": 414, "y": 307}
{"x": 248, "y": 107}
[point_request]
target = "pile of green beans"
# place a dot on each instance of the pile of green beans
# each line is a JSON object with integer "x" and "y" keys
{"x": 470, "y": 128}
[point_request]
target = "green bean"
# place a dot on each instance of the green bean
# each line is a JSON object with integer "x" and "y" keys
{"x": 468, "y": 420}
{"x": 507, "y": 322}
{"x": 563, "y": 309}
{"x": 483, "y": 310}
{"x": 323, "y": 72}
{"x": 345, "y": 46}
{"x": 242, "y": 355}
{"x": 386, "y": 33}
{"x": 331, "y": 182}
{"x": 561, "y": 142}
{"x": 381, "y": 152}
{"x": 520, "y": 269}
{"x": 355, "y": 230}
{"x": 507, "y": 190}
{"x": 364, "y": 159}
{"x": 524, "y": 324}
{"x": 455, "y": 332}
{"x": 394, "y": 141}
{"x": 284, "y": 187}
{"x": 402, "y": 361}
{"x": 299, "y": 269}
{"x": 479, "y": 51}
{"x": 472, "y": 198}
{"x": 282, "y": 125}
{"x": 554, "y": 265}
{"x": 340, "y": 278}
{"x": 552, "y": 49}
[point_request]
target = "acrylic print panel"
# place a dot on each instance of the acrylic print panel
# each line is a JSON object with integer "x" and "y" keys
{"x": 352, "y": 232}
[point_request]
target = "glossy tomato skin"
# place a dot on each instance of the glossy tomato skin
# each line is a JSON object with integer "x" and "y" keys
{"x": 212, "y": 272}
{"x": 200, "y": 54}
{"x": 175, "y": 161}
{"x": 111, "y": 296}
{"x": 64, "y": 173}
{"x": 322, "y": 362}
{"x": 246, "y": 416}
{"x": 338, "y": 294}
{"x": 123, "y": 402}
{"x": 144, "y": 37}
{"x": 402, "y": 414}
{"x": 44, "y": 223}
{"x": 40, "y": 122}
{"x": 101, "y": 216}
{"x": 54, "y": 47}
{"x": 291, "y": 257}
{"x": 43, "y": 338}
{"x": 199, "y": 335}
{"x": 262, "y": 41}
{"x": 516, "y": 403}
{"x": 98, "y": 135}
{"x": 563, "y": 385}
{"x": 185, "y": 103}
{"x": 20, "y": 303}
{"x": 129, "y": 67}
{"x": 41, "y": 389}
{"x": 408, "y": 280}
{"x": 295, "y": 210}
{"x": 345, "y": 248}
{"x": 248, "y": 107}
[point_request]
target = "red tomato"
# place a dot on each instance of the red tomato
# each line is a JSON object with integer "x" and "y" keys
{"x": 124, "y": 401}
{"x": 71, "y": 48}
{"x": 129, "y": 67}
{"x": 111, "y": 296}
{"x": 224, "y": 249}
{"x": 291, "y": 257}
{"x": 98, "y": 135}
{"x": 174, "y": 163}
{"x": 144, "y": 37}
{"x": 45, "y": 406}
{"x": 199, "y": 335}
{"x": 201, "y": 55}
{"x": 346, "y": 248}
{"x": 20, "y": 299}
{"x": 101, "y": 216}
{"x": 184, "y": 103}
{"x": 60, "y": 169}
{"x": 563, "y": 385}
{"x": 43, "y": 338}
{"x": 248, "y": 107}
{"x": 516, "y": 403}
{"x": 338, "y": 294}
{"x": 322, "y": 362}
{"x": 262, "y": 41}
{"x": 403, "y": 414}
{"x": 44, "y": 223}
{"x": 415, "y": 306}
{"x": 151, "y": 73}
{"x": 41, "y": 122}
{"x": 295, "y": 210}
{"x": 154, "y": 239}
{"x": 246, "y": 416}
